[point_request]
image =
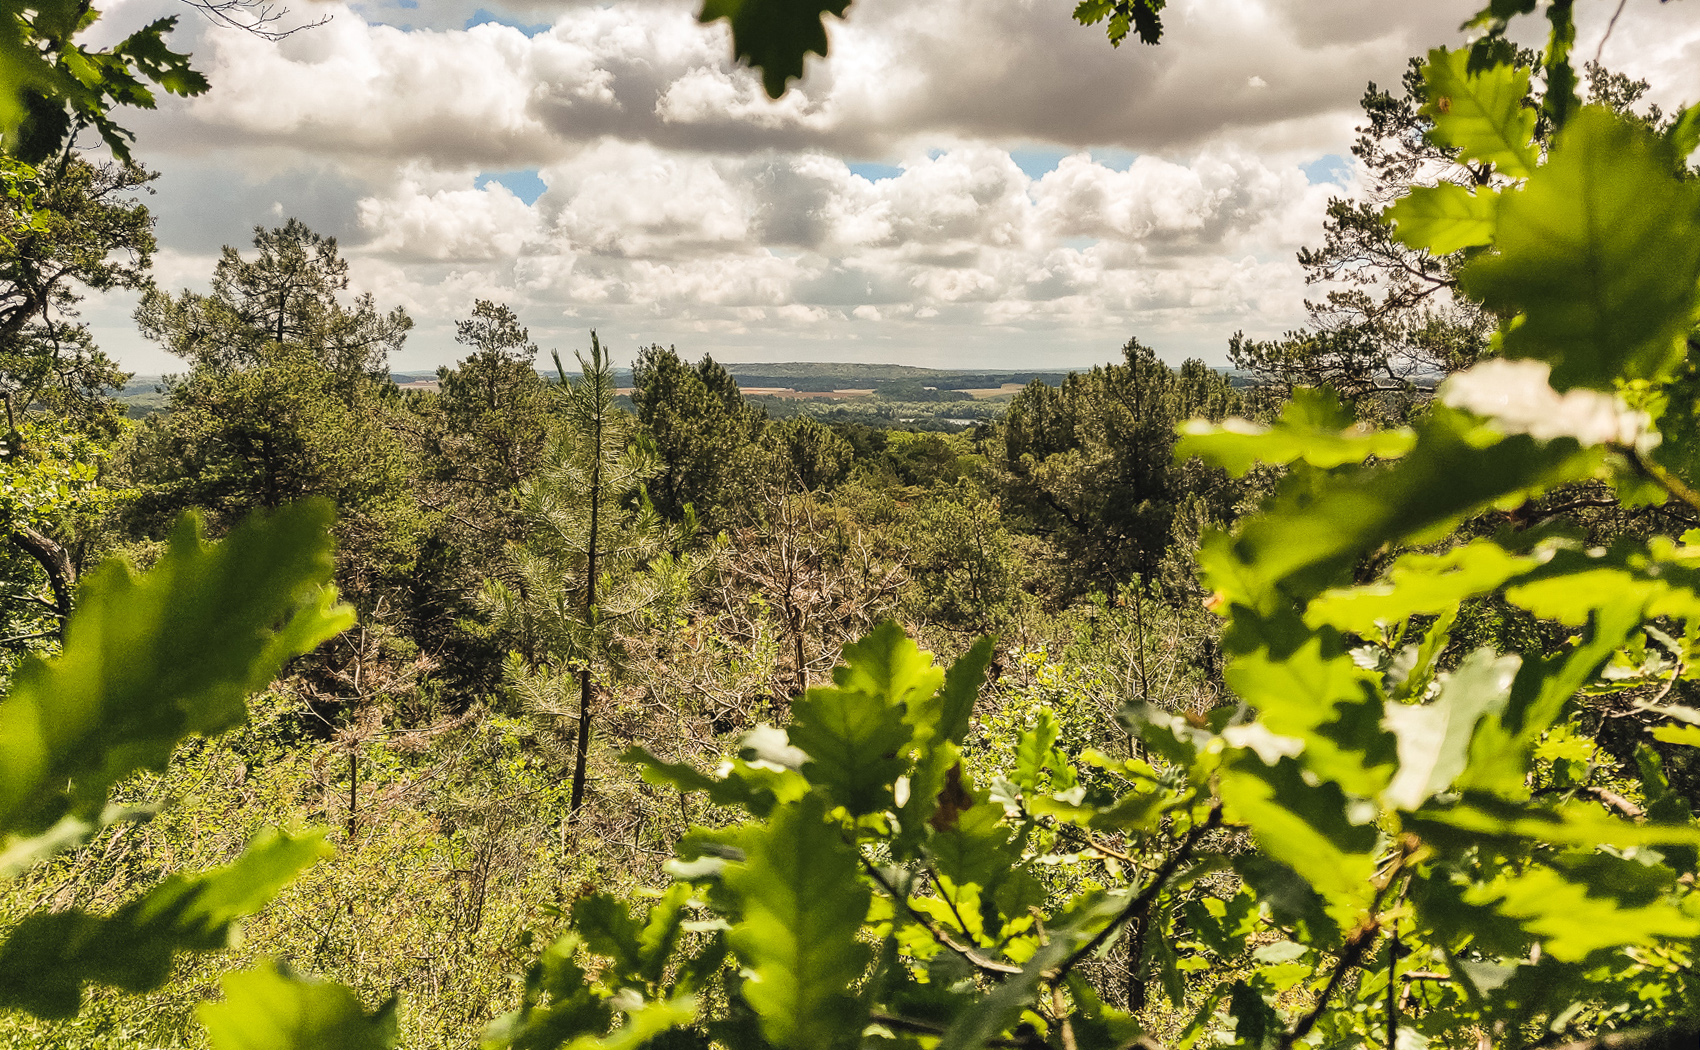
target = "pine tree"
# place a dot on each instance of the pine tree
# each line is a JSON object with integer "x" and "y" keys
{"x": 597, "y": 561}
{"x": 703, "y": 432}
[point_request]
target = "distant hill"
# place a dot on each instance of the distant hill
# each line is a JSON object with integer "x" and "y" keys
{"x": 906, "y": 383}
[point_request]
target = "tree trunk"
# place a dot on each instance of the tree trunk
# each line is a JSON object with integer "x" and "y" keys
{"x": 61, "y": 576}
{"x": 582, "y": 758}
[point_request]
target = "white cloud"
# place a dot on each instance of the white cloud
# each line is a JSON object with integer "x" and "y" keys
{"x": 680, "y": 203}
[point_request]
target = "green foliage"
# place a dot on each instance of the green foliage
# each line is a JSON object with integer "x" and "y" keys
{"x": 149, "y": 661}
{"x": 1445, "y": 218}
{"x": 51, "y": 86}
{"x": 880, "y": 837}
{"x": 48, "y": 957}
{"x": 492, "y": 418}
{"x": 1314, "y": 428}
{"x": 1418, "y": 806}
{"x": 703, "y": 432}
{"x": 1088, "y": 465}
{"x": 1596, "y": 262}
{"x": 801, "y": 904}
{"x": 1395, "y": 832}
{"x": 1143, "y": 17}
{"x": 51, "y": 477}
{"x": 812, "y": 453}
{"x": 597, "y": 563}
{"x": 1481, "y": 115}
{"x": 775, "y": 36}
{"x": 288, "y": 396}
{"x": 286, "y": 296}
{"x": 267, "y": 1008}
{"x": 66, "y": 228}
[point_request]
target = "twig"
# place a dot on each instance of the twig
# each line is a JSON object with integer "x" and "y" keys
{"x": 1350, "y": 956}
{"x": 16, "y": 638}
{"x": 1670, "y": 482}
{"x": 1146, "y": 897}
{"x": 1061, "y": 1011}
{"x": 950, "y": 902}
{"x": 1598, "y": 51}
{"x": 938, "y": 934}
{"x": 1352, "y": 952}
{"x": 909, "y": 1024}
{"x": 1625, "y": 808}
{"x": 1393, "y": 991}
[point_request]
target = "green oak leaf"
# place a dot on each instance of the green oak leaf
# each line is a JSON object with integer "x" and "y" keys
{"x": 608, "y": 929}
{"x": 644, "y": 1022}
{"x": 775, "y": 35}
{"x": 1598, "y": 257}
{"x": 1315, "y": 695}
{"x": 149, "y": 661}
{"x": 1444, "y": 219}
{"x": 755, "y": 789}
{"x": 1481, "y": 115}
{"x": 855, "y": 733}
{"x": 1142, "y": 17}
{"x": 978, "y": 849}
{"x": 48, "y": 956}
{"x": 1305, "y": 827}
{"x": 1576, "y": 824}
{"x": 1033, "y": 751}
{"x": 1314, "y": 428}
{"x": 1420, "y": 584}
{"x": 1306, "y": 543}
{"x": 803, "y": 905}
{"x": 944, "y": 716}
{"x": 1684, "y": 134}
{"x": 1434, "y": 738}
{"x": 1573, "y": 923}
{"x": 267, "y": 1008}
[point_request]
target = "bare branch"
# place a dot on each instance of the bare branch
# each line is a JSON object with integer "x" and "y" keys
{"x": 253, "y": 16}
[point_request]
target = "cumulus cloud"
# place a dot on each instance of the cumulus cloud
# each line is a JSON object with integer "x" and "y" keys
{"x": 679, "y": 202}
{"x": 642, "y": 236}
{"x": 485, "y": 223}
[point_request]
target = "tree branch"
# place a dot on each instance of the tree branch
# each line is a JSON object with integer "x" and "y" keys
{"x": 1350, "y": 956}
{"x": 54, "y": 561}
{"x": 1142, "y": 903}
{"x": 938, "y": 934}
{"x": 1645, "y": 1039}
{"x": 908, "y": 1024}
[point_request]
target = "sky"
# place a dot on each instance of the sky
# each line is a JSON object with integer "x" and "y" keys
{"x": 960, "y": 184}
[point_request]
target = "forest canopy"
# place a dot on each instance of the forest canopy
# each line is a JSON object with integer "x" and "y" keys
{"x": 1347, "y": 704}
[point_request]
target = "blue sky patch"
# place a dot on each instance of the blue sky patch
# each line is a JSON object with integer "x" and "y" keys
{"x": 1040, "y": 161}
{"x": 481, "y": 16}
{"x": 1036, "y": 162}
{"x": 874, "y": 172}
{"x": 526, "y": 185}
{"x": 1331, "y": 168}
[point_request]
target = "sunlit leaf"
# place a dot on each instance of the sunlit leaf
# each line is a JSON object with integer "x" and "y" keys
{"x": 802, "y": 906}
{"x": 1445, "y": 218}
{"x": 48, "y": 957}
{"x": 267, "y": 1008}
{"x": 148, "y": 661}
{"x": 1314, "y": 427}
{"x": 1481, "y": 115}
{"x": 1598, "y": 255}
